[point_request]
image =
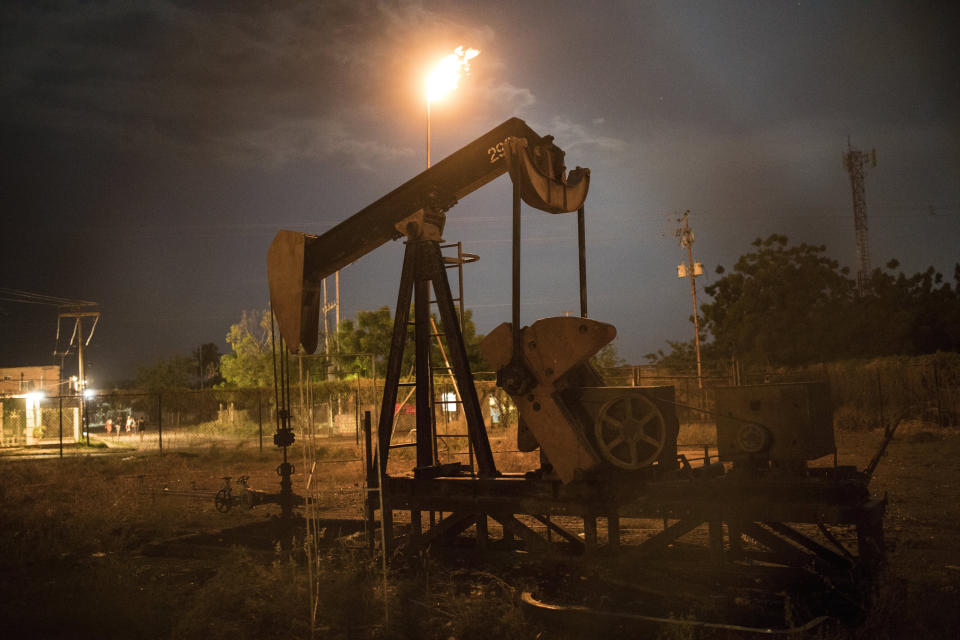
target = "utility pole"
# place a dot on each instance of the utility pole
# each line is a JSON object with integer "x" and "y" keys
{"x": 66, "y": 308}
{"x": 327, "y": 308}
{"x": 78, "y": 314}
{"x": 82, "y": 377}
{"x": 691, "y": 269}
{"x": 855, "y": 161}
{"x": 331, "y": 366}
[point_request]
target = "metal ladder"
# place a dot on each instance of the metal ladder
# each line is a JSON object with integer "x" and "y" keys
{"x": 450, "y": 262}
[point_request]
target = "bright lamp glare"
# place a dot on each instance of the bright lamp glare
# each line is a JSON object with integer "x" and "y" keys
{"x": 89, "y": 393}
{"x": 445, "y": 76}
{"x": 36, "y": 395}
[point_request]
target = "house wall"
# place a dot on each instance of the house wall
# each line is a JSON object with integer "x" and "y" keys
{"x": 20, "y": 380}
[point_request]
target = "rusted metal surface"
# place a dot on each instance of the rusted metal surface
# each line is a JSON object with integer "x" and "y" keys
{"x": 295, "y": 300}
{"x": 541, "y": 176}
{"x": 582, "y": 259}
{"x": 631, "y": 427}
{"x": 298, "y": 262}
{"x": 760, "y": 510}
{"x": 552, "y": 348}
{"x": 788, "y": 423}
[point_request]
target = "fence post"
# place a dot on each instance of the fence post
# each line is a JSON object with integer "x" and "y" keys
{"x": 936, "y": 387}
{"x": 160, "y": 423}
{"x": 260, "y": 416}
{"x": 60, "y": 414}
{"x": 883, "y": 424}
{"x": 371, "y": 477}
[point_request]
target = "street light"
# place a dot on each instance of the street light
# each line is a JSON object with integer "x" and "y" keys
{"x": 444, "y": 79}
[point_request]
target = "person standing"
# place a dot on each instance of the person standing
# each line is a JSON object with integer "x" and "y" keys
{"x": 130, "y": 423}
{"x": 109, "y": 425}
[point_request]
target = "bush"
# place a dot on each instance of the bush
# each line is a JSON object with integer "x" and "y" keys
{"x": 247, "y": 599}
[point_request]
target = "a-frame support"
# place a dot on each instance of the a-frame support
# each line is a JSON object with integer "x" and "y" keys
{"x": 422, "y": 266}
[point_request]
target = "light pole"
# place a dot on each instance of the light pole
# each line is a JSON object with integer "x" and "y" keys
{"x": 691, "y": 269}
{"x": 444, "y": 79}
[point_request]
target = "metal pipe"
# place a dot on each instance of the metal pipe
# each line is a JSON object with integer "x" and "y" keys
{"x": 696, "y": 321}
{"x": 81, "y": 371}
{"x": 516, "y": 269}
{"x": 421, "y": 309}
{"x": 370, "y": 476}
{"x": 582, "y": 250}
{"x": 159, "y": 423}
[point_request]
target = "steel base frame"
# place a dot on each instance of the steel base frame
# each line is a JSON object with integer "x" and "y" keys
{"x": 737, "y": 511}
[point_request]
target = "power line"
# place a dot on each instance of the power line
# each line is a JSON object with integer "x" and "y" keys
{"x": 27, "y": 297}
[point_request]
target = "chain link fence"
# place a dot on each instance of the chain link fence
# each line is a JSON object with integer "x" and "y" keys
{"x": 865, "y": 394}
{"x": 136, "y": 421}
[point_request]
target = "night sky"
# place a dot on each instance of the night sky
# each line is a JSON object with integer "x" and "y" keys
{"x": 151, "y": 150}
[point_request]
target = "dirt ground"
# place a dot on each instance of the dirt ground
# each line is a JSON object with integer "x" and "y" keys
{"x": 919, "y": 475}
{"x": 79, "y": 553}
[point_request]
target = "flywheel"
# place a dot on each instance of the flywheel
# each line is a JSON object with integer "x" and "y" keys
{"x": 630, "y": 432}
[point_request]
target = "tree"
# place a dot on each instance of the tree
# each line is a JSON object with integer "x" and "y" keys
{"x": 910, "y": 315}
{"x": 781, "y": 305}
{"x": 176, "y": 372}
{"x": 472, "y": 341}
{"x": 607, "y": 358}
{"x": 791, "y": 305}
{"x": 372, "y": 333}
{"x": 681, "y": 357}
{"x": 251, "y": 363}
{"x": 182, "y": 371}
{"x": 207, "y": 356}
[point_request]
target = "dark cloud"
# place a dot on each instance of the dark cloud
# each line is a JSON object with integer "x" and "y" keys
{"x": 151, "y": 149}
{"x": 282, "y": 81}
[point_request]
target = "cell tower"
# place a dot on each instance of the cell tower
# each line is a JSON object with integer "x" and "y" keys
{"x": 855, "y": 161}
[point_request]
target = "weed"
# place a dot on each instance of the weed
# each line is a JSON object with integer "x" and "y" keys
{"x": 247, "y": 599}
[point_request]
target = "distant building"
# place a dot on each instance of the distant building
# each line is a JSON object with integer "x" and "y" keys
{"x": 17, "y": 381}
{"x": 27, "y": 415}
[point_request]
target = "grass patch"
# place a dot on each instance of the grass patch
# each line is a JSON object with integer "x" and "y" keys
{"x": 692, "y": 433}
{"x": 247, "y": 599}
{"x": 94, "y": 444}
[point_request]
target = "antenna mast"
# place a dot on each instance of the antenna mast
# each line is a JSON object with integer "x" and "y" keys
{"x": 855, "y": 161}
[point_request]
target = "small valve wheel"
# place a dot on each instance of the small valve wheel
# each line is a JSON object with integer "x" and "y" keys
{"x": 630, "y": 432}
{"x": 752, "y": 438}
{"x": 223, "y": 501}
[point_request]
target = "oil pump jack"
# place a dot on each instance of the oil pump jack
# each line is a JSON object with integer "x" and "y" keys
{"x": 531, "y": 363}
{"x": 543, "y": 367}
{"x": 606, "y": 451}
